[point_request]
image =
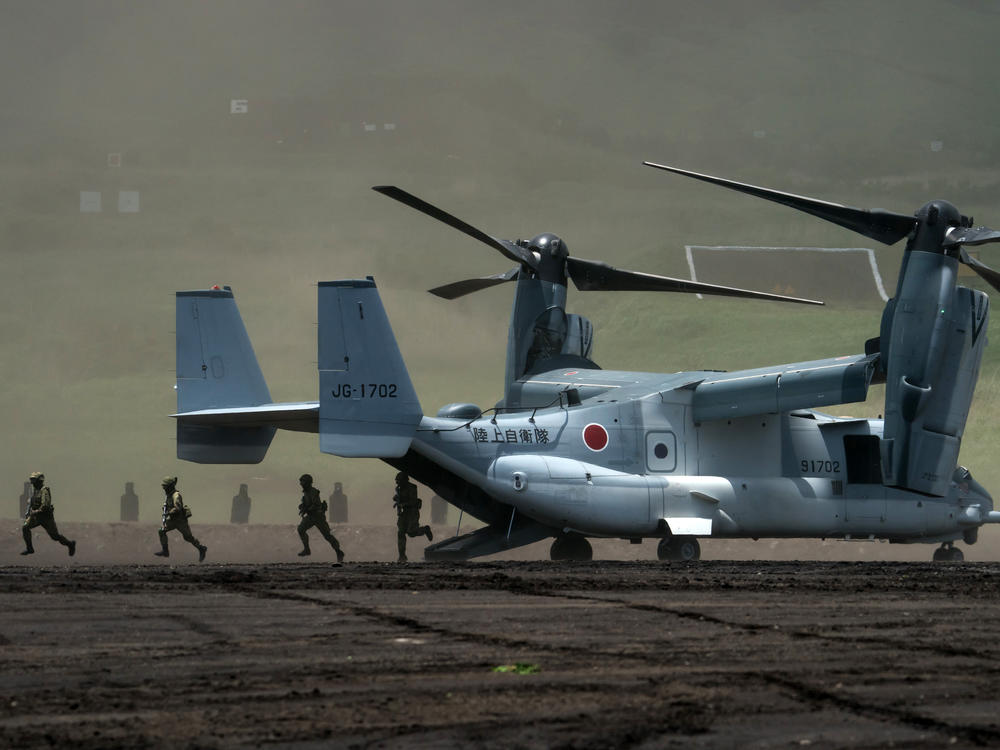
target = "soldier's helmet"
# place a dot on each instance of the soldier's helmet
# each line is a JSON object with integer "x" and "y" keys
{"x": 169, "y": 481}
{"x": 36, "y": 476}
{"x": 306, "y": 479}
{"x": 402, "y": 477}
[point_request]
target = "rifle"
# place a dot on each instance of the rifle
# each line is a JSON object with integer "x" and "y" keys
{"x": 39, "y": 511}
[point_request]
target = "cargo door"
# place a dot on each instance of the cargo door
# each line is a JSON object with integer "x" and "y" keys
{"x": 865, "y": 496}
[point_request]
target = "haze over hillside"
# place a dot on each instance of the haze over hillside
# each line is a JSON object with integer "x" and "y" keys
{"x": 519, "y": 117}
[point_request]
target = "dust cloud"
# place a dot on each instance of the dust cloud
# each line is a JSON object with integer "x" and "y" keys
{"x": 519, "y": 117}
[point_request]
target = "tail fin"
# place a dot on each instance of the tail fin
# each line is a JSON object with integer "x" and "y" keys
{"x": 217, "y": 368}
{"x": 367, "y": 404}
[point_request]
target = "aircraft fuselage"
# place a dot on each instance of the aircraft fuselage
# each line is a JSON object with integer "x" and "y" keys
{"x": 631, "y": 461}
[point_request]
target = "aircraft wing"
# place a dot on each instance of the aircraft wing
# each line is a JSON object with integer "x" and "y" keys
{"x": 301, "y": 416}
{"x": 769, "y": 390}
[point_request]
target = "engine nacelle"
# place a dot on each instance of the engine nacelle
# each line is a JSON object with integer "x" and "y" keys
{"x": 935, "y": 346}
{"x": 579, "y": 339}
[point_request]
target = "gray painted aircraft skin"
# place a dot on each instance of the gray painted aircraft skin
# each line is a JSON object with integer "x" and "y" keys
{"x": 575, "y": 451}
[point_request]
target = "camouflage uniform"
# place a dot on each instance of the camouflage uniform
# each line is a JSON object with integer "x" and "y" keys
{"x": 313, "y": 512}
{"x": 41, "y": 513}
{"x": 175, "y": 516}
{"x": 407, "y": 506}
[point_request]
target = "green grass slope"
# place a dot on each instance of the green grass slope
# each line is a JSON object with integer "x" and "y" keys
{"x": 534, "y": 118}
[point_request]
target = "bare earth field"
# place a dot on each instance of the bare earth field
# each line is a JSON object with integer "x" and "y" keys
{"x": 614, "y": 653}
{"x": 131, "y": 543}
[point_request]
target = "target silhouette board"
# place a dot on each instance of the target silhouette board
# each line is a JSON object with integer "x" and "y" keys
{"x": 832, "y": 273}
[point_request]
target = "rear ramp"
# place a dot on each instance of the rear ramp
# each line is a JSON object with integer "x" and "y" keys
{"x": 490, "y": 540}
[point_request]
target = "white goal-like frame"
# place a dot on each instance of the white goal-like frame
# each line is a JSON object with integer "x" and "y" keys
{"x": 876, "y": 276}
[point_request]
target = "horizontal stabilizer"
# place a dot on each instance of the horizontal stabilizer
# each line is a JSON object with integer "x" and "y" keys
{"x": 367, "y": 404}
{"x": 222, "y": 445}
{"x": 300, "y": 416}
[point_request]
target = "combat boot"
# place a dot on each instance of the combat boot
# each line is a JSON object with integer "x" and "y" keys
{"x": 202, "y": 549}
{"x": 429, "y": 533}
{"x": 71, "y": 547}
{"x": 402, "y": 559}
{"x": 305, "y": 552}
{"x": 29, "y": 547}
{"x": 340, "y": 555}
{"x": 165, "y": 547}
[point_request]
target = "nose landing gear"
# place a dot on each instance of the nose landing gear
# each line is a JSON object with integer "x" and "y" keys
{"x": 948, "y": 552}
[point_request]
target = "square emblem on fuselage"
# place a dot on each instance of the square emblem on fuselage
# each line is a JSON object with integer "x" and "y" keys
{"x": 661, "y": 451}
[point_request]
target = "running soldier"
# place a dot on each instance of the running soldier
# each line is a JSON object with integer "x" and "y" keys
{"x": 40, "y": 512}
{"x": 407, "y": 506}
{"x": 175, "y": 516}
{"x": 313, "y": 512}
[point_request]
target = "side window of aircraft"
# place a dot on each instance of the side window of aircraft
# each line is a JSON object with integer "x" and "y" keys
{"x": 864, "y": 460}
{"x": 661, "y": 451}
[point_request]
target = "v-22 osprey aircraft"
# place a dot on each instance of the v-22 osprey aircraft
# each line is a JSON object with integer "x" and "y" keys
{"x": 574, "y": 451}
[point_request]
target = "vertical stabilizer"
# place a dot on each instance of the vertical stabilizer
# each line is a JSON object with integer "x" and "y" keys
{"x": 367, "y": 404}
{"x": 216, "y": 364}
{"x": 217, "y": 368}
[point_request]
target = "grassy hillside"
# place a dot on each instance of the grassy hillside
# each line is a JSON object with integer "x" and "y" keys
{"x": 89, "y": 368}
{"x": 533, "y": 119}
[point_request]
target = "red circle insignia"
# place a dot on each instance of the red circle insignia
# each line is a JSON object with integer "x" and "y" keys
{"x": 595, "y": 437}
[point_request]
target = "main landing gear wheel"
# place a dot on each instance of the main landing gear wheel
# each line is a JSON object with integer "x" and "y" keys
{"x": 571, "y": 548}
{"x": 678, "y": 549}
{"x": 948, "y": 553}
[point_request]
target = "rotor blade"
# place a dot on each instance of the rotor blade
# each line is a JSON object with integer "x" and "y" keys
{"x": 593, "y": 275}
{"x": 509, "y": 249}
{"x": 971, "y": 236}
{"x": 458, "y": 289}
{"x": 879, "y": 225}
{"x": 986, "y": 273}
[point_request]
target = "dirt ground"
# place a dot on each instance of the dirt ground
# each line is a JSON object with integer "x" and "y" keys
{"x": 130, "y": 543}
{"x": 614, "y": 653}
